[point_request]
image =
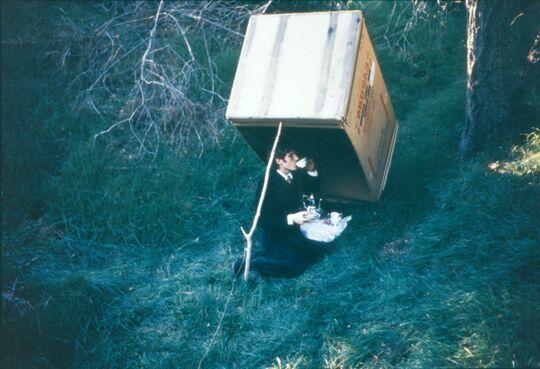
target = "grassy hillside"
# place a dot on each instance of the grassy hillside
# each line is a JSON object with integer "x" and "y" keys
{"x": 114, "y": 262}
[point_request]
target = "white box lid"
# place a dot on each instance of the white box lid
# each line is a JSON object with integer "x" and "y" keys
{"x": 296, "y": 66}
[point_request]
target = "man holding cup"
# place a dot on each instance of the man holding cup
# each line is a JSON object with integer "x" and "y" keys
{"x": 285, "y": 252}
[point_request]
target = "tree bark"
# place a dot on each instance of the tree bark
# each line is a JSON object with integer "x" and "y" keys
{"x": 487, "y": 99}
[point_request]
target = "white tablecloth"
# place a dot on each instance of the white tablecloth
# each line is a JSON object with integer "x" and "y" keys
{"x": 319, "y": 229}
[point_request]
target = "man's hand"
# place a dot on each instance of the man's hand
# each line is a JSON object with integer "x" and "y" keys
{"x": 301, "y": 217}
{"x": 310, "y": 166}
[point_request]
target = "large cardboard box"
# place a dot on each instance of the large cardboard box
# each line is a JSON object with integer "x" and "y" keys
{"x": 318, "y": 74}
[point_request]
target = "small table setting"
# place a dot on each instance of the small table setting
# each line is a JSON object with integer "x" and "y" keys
{"x": 322, "y": 228}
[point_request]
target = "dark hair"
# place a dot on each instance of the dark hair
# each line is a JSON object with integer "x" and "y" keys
{"x": 281, "y": 153}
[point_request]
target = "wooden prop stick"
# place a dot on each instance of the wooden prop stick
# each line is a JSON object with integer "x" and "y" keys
{"x": 259, "y": 206}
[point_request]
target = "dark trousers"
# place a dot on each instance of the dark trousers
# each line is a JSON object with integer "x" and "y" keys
{"x": 286, "y": 255}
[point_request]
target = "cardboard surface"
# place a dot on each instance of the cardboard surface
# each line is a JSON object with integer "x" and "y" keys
{"x": 340, "y": 172}
{"x": 371, "y": 122}
{"x": 295, "y": 66}
{"x": 318, "y": 74}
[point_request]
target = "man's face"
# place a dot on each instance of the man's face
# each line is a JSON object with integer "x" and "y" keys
{"x": 288, "y": 163}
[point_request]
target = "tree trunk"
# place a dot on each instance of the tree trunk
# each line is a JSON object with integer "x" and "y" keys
{"x": 487, "y": 99}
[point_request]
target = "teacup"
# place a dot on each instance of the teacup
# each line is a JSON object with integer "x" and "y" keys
{"x": 334, "y": 217}
{"x": 301, "y": 163}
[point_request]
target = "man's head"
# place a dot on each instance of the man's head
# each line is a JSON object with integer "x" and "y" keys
{"x": 285, "y": 159}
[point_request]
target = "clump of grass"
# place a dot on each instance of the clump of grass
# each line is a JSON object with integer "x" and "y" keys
{"x": 525, "y": 159}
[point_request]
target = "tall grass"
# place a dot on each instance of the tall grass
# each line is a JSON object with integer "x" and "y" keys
{"x": 126, "y": 264}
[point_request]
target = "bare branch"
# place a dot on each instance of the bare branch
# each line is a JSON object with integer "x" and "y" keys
{"x": 152, "y": 69}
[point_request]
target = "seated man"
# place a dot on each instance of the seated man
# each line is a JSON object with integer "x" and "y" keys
{"x": 285, "y": 252}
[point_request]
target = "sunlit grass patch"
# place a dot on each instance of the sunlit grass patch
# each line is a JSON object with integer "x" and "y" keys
{"x": 525, "y": 159}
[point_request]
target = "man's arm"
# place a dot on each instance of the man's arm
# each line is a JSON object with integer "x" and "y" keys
{"x": 310, "y": 179}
